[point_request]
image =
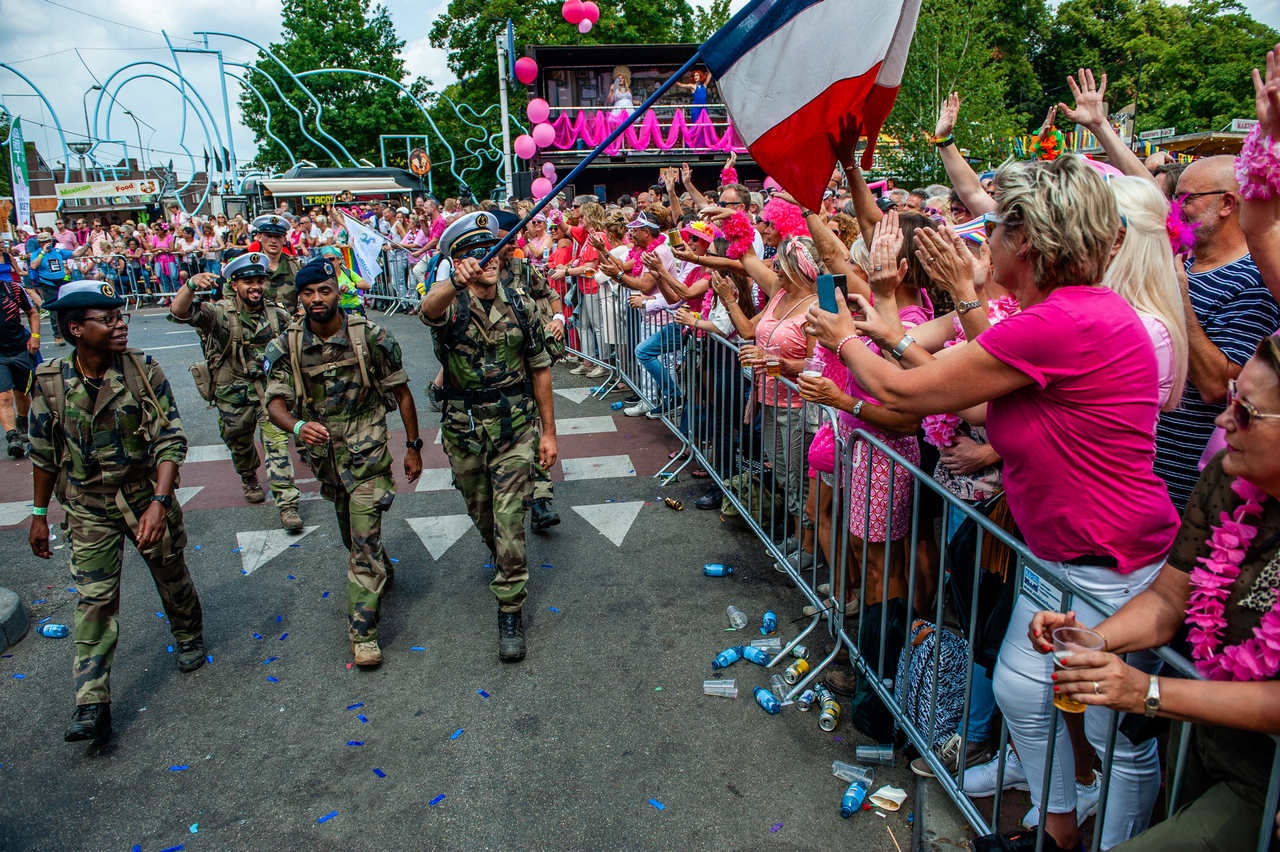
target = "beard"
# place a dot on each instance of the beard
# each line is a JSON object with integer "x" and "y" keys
{"x": 323, "y": 315}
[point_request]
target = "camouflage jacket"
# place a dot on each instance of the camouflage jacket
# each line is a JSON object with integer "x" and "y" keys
{"x": 335, "y": 396}
{"x": 489, "y": 353}
{"x": 521, "y": 276}
{"x": 235, "y": 373}
{"x": 107, "y": 444}
{"x": 280, "y": 287}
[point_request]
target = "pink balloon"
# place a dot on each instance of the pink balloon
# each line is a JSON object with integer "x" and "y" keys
{"x": 541, "y": 186}
{"x": 549, "y": 171}
{"x": 543, "y": 135}
{"x": 526, "y": 70}
{"x": 572, "y": 11}
{"x": 584, "y": 26}
{"x": 525, "y": 146}
{"x": 591, "y": 12}
{"x": 538, "y": 110}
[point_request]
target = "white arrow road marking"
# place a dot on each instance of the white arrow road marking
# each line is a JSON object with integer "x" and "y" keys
{"x": 613, "y": 520}
{"x": 258, "y": 547}
{"x": 440, "y": 533}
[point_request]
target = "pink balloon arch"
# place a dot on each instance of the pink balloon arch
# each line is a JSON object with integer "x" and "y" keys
{"x": 646, "y": 134}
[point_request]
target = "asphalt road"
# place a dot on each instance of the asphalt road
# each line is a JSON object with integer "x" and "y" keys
{"x": 600, "y": 739}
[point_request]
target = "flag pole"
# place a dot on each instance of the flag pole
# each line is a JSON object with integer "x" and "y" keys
{"x": 597, "y": 151}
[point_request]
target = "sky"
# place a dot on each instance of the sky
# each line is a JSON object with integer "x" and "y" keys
{"x": 66, "y": 46}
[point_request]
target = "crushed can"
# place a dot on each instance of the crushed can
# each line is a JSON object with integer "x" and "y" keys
{"x": 804, "y": 701}
{"x": 796, "y": 671}
{"x": 800, "y": 652}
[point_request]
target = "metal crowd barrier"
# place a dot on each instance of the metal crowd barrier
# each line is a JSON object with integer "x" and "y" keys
{"x": 751, "y": 453}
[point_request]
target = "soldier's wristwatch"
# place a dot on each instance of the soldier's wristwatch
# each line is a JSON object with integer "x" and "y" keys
{"x": 415, "y": 444}
{"x": 165, "y": 500}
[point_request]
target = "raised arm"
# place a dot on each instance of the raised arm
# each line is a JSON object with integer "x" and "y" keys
{"x": 964, "y": 180}
{"x": 1091, "y": 113}
{"x": 1260, "y": 202}
{"x": 864, "y": 203}
{"x": 686, "y": 178}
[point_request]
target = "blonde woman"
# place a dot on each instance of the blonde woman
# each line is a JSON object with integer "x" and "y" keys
{"x": 1145, "y": 273}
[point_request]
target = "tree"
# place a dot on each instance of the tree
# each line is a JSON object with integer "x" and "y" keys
{"x": 356, "y": 110}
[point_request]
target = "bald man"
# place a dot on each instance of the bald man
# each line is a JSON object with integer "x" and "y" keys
{"x": 1228, "y": 311}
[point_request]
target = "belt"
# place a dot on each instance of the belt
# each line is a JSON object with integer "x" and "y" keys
{"x": 485, "y": 395}
{"x": 1089, "y": 559}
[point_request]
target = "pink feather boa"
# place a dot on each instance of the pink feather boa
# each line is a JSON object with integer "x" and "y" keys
{"x": 1258, "y": 167}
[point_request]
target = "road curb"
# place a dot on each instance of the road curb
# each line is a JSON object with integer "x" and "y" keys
{"x": 939, "y": 826}
{"x": 13, "y": 618}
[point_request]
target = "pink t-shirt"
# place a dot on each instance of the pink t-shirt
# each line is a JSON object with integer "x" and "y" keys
{"x": 1079, "y": 443}
{"x": 786, "y": 333}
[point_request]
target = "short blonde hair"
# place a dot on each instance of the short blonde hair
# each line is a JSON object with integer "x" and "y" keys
{"x": 1067, "y": 213}
{"x": 593, "y": 215}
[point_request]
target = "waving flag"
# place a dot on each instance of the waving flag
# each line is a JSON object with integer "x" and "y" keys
{"x": 366, "y": 245}
{"x": 805, "y": 79}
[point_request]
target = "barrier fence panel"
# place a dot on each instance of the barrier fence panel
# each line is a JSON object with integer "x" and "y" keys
{"x": 872, "y": 546}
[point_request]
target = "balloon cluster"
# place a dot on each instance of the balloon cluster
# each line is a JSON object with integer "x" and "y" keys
{"x": 580, "y": 14}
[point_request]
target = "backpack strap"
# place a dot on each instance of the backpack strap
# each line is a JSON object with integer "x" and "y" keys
{"x": 356, "y": 326}
{"x": 293, "y": 342}
{"x": 135, "y": 379}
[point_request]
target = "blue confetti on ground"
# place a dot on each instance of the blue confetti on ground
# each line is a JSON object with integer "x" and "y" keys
{"x": 657, "y": 804}
{"x": 236, "y": 549}
{"x": 137, "y": 847}
{"x": 169, "y": 648}
{"x": 284, "y": 636}
{"x": 258, "y": 636}
{"x": 244, "y": 572}
{"x": 37, "y": 603}
{"x": 437, "y": 800}
{"x": 273, "y": 679}
{"x": 554, "y": 608}
{"x": 324, "y": 596}
{"x": 177, "y": 848}
{"x": 182, "y": 767}
{"x": 776, "y": 827}
{"x": 394, "y": 561}
{"x": 291, "y": 577}
{"x": 269, "y": 660}
{"x": 482, "y": 693}
{"x": 329, "y": 815}
{"x": 19, "y": 677}
{"x": 355, "y": 743}
{"x": 159, "y": 615}
{"x": 547, "y": 565}
{"x": 197, "y": 547}
{"x": 456, "y": 734}
{"x": 279, "y": 618}
{"x": 379, "y": 772}
{"x": 208, "y": 658}
{"x": 295, "y": 545}
{"x": 72, "y": 589}
{"x": 364, "y": 720}
{"x": 355, "y": 706}
{"x": 417, "y": 648}
{"x": 43, "y": 620}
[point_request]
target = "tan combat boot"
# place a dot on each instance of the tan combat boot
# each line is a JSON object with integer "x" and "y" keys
{"x": 290, "y": 519}
{"x": 252, "y": 490}
{"x": 366, "y": 652}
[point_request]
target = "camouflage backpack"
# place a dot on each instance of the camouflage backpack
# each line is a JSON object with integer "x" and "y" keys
{"x": 356, "y": 325}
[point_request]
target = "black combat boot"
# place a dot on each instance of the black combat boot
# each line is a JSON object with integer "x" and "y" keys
{"x": 90, "y": 722}
{"x": 510, "y": 637}
{"x": 542, "y": 515}
{"x": 191, "y": 655}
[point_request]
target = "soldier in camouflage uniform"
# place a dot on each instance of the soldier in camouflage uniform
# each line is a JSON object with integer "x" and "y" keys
{"x": 347, "y": 369}
{"x": 497, "y": 384}
{"x": 282, "y": 268}
{"x": 519, "y": 274}
{"x": 105, "y": 435}
{"x": 234, "y": 331}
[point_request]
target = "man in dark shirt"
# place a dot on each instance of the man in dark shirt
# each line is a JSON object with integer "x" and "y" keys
{"x": 18, "y": 349}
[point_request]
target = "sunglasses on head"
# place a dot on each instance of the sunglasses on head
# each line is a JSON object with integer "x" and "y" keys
{"x": 1242, "y": 411}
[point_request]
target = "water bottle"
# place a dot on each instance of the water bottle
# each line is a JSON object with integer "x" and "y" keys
{"x": 754, "y": 655}
{"x": 737, "y": 618}
{"x": 768, "y": 622}
{"x": 715, "y": 569}
{"x": 618, "y": 406}
{"x": 768, "y": 702}
{"x": 851, "y": 802}
{"x": 55, "y": 631}
{"x": 727, "y": 657}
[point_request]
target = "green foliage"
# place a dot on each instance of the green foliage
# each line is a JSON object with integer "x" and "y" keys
{"x": 356, "y": 110}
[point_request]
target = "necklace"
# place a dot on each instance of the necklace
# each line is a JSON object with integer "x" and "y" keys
{"x": 94, "y": 382}
{"x": 1258, "y": 657}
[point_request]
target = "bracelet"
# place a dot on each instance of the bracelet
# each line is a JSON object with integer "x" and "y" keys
{"x": 297, "y": 427}
{"x": 35, "y": 335}
{"x": 857, "y": 408}
{"x": 39, "y": 511}
{"x": 840, "y": 345}
{"x": 903, "y": 345}
{"x": 943, "y": 141}
{"x": 964, "y": 307}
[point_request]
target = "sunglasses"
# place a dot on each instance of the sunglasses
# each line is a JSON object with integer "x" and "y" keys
{"x": 478, "y": 253}
{"x": 990, "y": 220}
{"x": 109, "y": 320}
{"x": 1243, "y": 412}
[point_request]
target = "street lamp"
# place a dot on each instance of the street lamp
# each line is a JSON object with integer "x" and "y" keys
{"x": 137, "y": 127}
{"x": 83, "y": 148}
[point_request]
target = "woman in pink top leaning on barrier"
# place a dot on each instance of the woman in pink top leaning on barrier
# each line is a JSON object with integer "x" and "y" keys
{"x": 1072, "y": 382}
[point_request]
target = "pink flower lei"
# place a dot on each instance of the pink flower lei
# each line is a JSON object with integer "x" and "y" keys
{"x": 634, "y": 257}
{"x": 1258, "y": 657}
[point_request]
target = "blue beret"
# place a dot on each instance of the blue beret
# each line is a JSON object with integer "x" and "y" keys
{"x": 507, "y": 220}
{"x": 317, "y": 269}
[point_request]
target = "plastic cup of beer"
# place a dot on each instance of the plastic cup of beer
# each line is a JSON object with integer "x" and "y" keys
{"x": 772, "y": 362}
{"x": 750, "y": 355}
{"x": 813, "y": 368}
{"x": 1066, "y": 642}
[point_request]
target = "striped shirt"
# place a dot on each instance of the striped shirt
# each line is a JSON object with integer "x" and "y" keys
{"x": 1236, "y": 310}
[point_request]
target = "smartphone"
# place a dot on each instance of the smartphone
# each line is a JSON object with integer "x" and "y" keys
{"x": 828, "y": 284}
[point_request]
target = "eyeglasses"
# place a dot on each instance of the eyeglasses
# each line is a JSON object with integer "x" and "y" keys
{"x": 990, "y": 220}
{"x": 479, "y": 253}
{"x": 110, "y": 320}
{"x": 1243, "y": 412}
{"x": 733, "y": 204}
{"x": 1184, "y": 197}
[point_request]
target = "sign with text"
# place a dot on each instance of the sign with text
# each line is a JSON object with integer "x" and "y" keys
{"x": 21, "y": 181}
{"x": 1160, "y": 133}
{"x": 1243, "y": 125}
{"x": 316, "y": 200}
{"x": 108, "y": 188}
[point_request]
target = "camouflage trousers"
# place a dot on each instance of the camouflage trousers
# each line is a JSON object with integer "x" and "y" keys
{"x": 98, "y": 534}
{"x": 368, "y": 569}
{"x": 542, "y": 487}
{"x": 237, "y": 425}
{"x": 496, "y": 484}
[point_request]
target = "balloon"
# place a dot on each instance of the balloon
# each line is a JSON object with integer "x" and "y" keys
{"x": 543, "y": 135}
{"x": 591, "y": 12}
{"x": 525, "y": 146}
{"x": 538, "y": 110}
{"x": 584, "y": 26}
{"x": 572, "y": 11}
{"x": 549, "y": 171}
{"x": 526, "y": 70}
{"x": 541, "y": 187}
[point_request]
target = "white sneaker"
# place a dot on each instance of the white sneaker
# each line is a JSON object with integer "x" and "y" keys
{"x": 598, "y": 372}
{"x": 580, "y": 370}
{"x": 640, "y": 409}
{"x": 981, "y": 780}
{"x": 1087, "y": 796}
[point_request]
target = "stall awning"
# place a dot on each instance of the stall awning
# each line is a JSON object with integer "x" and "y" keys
{"x": 332, "y": 186}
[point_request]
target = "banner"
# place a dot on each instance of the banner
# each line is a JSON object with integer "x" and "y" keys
{"x": 108, "y": 188}
{"x": 21, "y": 181}
{"x": 367, "y": 246}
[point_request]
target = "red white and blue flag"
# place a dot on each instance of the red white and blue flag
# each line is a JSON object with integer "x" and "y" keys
{"x": 805, "y": 79}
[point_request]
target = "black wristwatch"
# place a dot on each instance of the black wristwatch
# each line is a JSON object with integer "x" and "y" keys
{"x": 165, "y": 500}
{"x": 415, "y": 444}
